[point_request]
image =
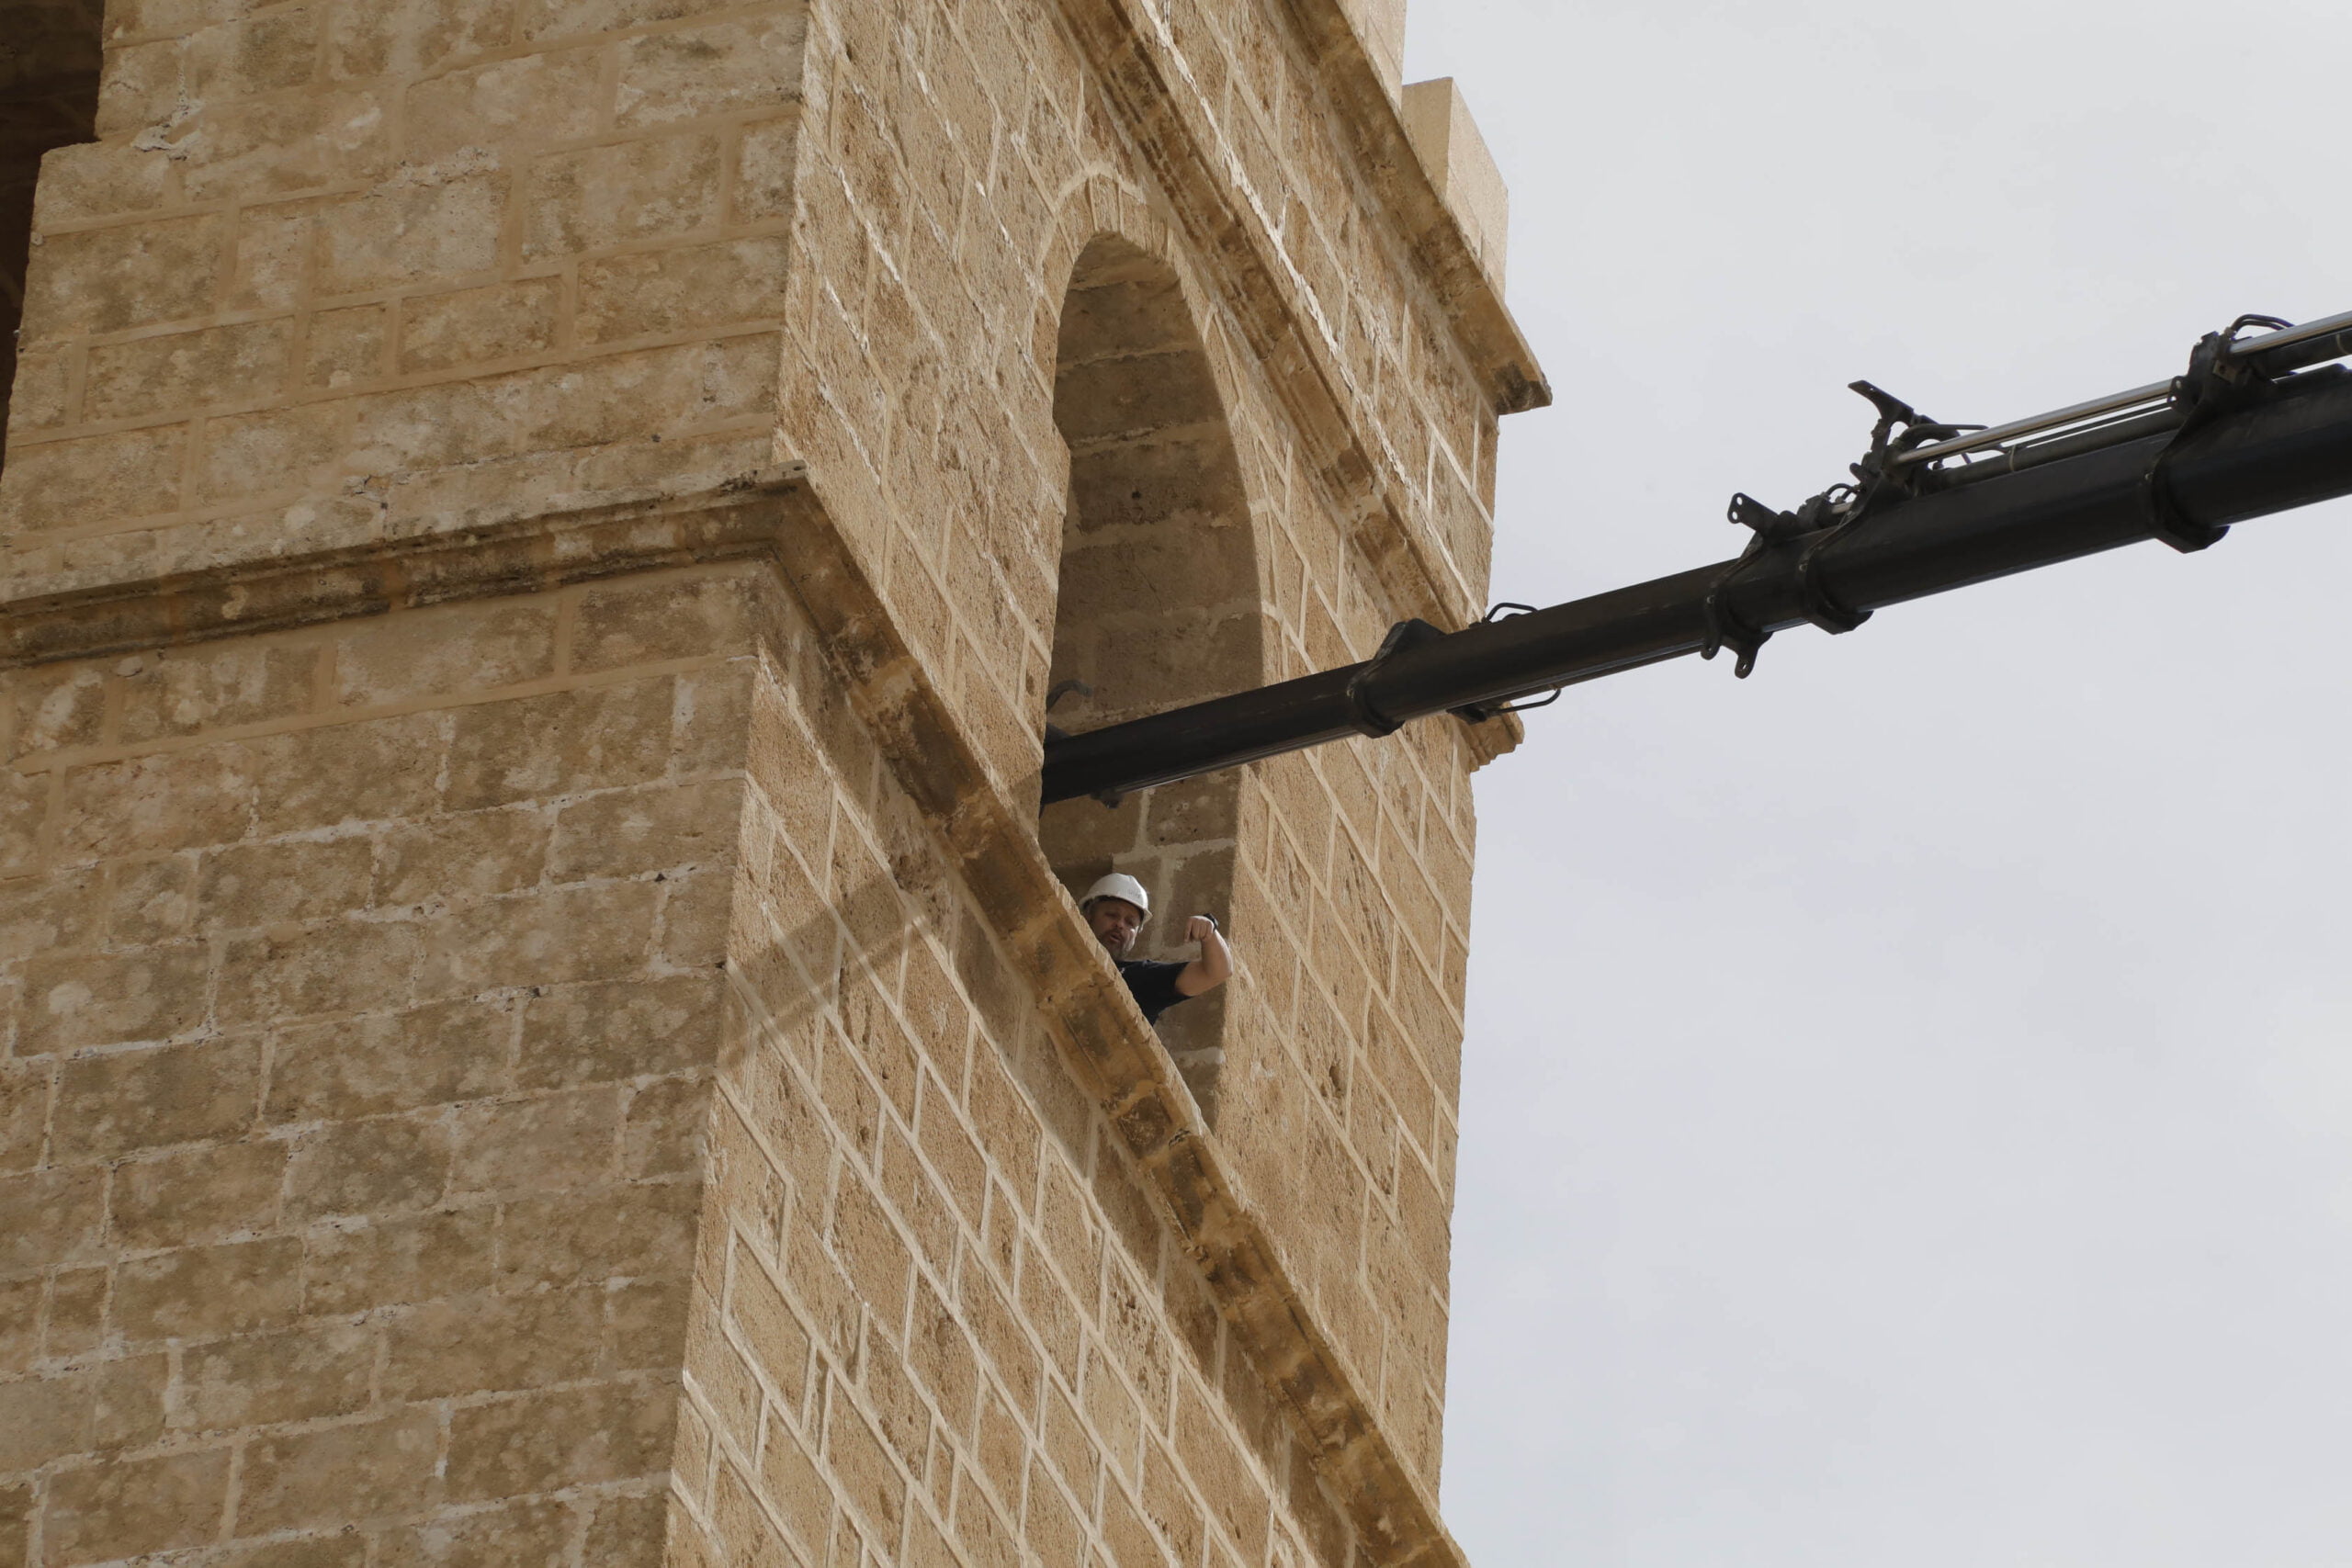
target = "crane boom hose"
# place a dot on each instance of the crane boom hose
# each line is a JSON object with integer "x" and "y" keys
{"x": 2253, "y": 429}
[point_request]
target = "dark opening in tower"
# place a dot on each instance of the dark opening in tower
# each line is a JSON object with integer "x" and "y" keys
{"x": 1158, "y": 604}
{"x": 48, "y": 96}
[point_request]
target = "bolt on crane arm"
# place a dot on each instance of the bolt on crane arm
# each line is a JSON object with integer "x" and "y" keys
{"x": 2256, "y": 425}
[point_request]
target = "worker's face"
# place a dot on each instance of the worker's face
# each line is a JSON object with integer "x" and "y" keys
{"x": 1115, "y": 922}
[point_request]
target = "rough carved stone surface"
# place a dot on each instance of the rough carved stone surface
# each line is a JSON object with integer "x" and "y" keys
{"x": 537, "y": 1020}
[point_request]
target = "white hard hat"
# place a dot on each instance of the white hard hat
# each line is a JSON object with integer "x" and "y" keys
{"x": 1118, "y": 885}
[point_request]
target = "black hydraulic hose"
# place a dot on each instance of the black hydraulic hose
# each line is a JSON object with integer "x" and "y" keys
{"x": 2289, "y": 450}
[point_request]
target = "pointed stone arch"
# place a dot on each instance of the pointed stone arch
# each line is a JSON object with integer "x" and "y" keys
{"x": 1160, "y": 601}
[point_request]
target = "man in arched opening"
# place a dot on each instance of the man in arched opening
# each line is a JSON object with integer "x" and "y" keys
{"x": 1116, "y": 907}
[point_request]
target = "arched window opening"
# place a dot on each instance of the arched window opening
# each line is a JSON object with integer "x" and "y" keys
{"x": 1159, "y": 603}
{"x": 48, "y": 96}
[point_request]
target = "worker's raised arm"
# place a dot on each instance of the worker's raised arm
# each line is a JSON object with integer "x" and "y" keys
{"x": 1215, "y": 964}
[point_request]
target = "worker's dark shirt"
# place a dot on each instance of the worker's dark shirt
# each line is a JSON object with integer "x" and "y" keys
{"x": 1153, "y": 983}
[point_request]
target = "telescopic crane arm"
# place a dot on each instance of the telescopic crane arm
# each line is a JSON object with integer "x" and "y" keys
{"x": 2257, "y": 424}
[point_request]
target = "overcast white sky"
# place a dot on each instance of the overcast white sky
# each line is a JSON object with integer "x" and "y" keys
{"x": 1908, "y": 1108}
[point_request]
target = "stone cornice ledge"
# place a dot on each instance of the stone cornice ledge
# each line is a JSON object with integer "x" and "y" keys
{"x": 524, "y": 549}
{"x": 776, "y": 516}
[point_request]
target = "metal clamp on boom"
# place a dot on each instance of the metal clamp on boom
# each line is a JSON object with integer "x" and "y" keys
{"x": 1368, "y": 719}
{"x": 2219, "y": 381}
{"x": 1725, "y": 629}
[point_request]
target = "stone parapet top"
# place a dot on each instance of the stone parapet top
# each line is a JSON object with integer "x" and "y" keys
{"x": 776, "y": 514}
{"x": 1130, "y": 47}
{"x": 1436, "y": 235}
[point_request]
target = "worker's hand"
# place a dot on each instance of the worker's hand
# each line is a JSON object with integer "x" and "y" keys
{"x": 1200, "y": 928}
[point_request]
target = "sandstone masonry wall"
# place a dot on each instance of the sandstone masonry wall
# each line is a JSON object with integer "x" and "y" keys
{"x": 362, "y": 993}
{"x": 335, "y": 272}
{"x": 940, "y": 228}
{"x": 476, "y": 1072}
{"x": 936, "y": 1319}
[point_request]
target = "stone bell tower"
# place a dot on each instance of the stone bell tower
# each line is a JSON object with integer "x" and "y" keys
{"x": 540, "y": 1022}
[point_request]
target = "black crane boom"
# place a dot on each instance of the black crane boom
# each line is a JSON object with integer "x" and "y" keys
{"x": 2257, "y": 425}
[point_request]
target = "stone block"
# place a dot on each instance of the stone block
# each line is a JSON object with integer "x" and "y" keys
{"x": 353, "y": 1067}
{"x": 445, "y": 650}
{"x": 295, "y": 1375}
{"x": 240, "y": 887}
{"x": 1439, "y": 123}
{"x": 24, "y": 813}
{"x": 270, "y": 255}
{"x": 25, "y": 1093}
{"x": 869, "y": 1479}
{"x": 682, "y": 289}
{"x": 346, "y": 773}
{"x": 131, "y": 1506}
{"x": 469, "y": 326}
{"x": 353, "y": 1266}
{"x": 92, "y": 479}
{"x": 273, "y": 451}
{"x": 181, "y": 691}
{"x": 345, "y": 347}
{"x": 376, "y": 1166}
{"x": 126, "y": 1101}
{"x": 410, "y": 38}
{"x": 661, "y": 1128}
{"x": 282, "y": 145}
{"x": 531, "y": 1534}
{"x": 719, "y": 68}
{"x": 764, "y": 165}
{"x": 626, "y": 1530}
{"x": 200, "y": 1291}
{"x": 545, "y": 939}
{"x": 429, "y": 223}
{"x": 476, "y": 854}
{"x": 260, "y": 54}
{"x": 20, "y": 1322}
{"x": 658, "y": 187}
{"x": 579, "y": 18}
{"x": 87, "y": 181}
{"x": 615, "y": 398}
{"x": 334, "y": 1475}
{"x": 127, "y": 1402}
{"x": 58, "y": 709}
{"x": 770, "y": 1331}
{"x": 203, "y": 1193}
{"x": 552, "y": 96}
{"x": 175, "y": 800}
{"x": 664, "y": 827}
{"x": 484, "y": 1344}
{"x": 549, "y": 1143}
{"x": 182, "y": 371}
{"x": 542, "y": 1442}
{"x": 619, "y": 1029}
{"x": 556, "y": 744}
{"x": 298, "y": 971}
{"x": 147, "y": 900}
{"x": 129, "y": 274}
{"x": 44, "y": 395}
{"x": 636, "y": 1232}
{"x": 42, "y": 1419}
{"x": 644, "y": 620}
{"x": 81, "y": 1000}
